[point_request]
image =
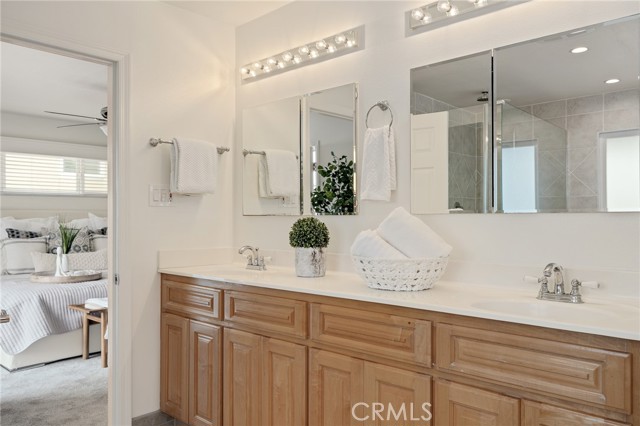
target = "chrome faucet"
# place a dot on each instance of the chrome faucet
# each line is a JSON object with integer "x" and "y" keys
{"x": 557, "y": 294}
{"x": 254, "y": 260}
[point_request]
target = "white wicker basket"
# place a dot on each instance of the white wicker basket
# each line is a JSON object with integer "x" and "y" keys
{"x": 400, "y": 275}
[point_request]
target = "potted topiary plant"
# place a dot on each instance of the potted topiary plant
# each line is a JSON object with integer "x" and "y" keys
{"x": 309, "y": 236}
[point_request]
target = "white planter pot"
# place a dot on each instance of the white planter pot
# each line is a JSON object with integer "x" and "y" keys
{"x": 310, "y": 262}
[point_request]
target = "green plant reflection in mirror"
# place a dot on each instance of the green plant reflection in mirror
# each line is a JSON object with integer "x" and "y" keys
{"x": 335, "y": 194}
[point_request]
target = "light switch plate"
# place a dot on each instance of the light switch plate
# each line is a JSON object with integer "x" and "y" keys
{"x": 159, "y": 195}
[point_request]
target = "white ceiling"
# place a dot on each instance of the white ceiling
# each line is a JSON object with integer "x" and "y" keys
{"x": 542, "y": 70}
{"x": 236, "y": 12}
{"x": 34, "y": 81}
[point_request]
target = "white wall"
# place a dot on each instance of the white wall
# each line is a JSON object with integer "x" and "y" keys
{"x": 181, "y": 84}
{"x": 487, "y": 244}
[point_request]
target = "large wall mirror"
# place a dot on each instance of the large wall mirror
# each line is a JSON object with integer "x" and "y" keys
{"x": 558, "y": 132}
{"x": 318, "y": 130}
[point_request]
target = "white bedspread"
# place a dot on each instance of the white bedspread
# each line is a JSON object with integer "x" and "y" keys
{"x": 38, "y": 310}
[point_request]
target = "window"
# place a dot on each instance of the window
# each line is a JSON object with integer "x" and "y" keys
{"x": 519, "y": 177}
{"x": 52, "y": 175}
{"x": 622, "y": 170}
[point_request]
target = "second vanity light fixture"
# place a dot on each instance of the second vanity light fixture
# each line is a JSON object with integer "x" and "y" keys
{"x": 445, "y": 12}
{"x": 319, "y": 50}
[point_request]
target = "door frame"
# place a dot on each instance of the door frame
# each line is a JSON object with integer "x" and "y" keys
{"x": 120, "y": 309}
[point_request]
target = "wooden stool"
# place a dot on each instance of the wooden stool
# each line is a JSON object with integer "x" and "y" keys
{"x": 93, "y": 315}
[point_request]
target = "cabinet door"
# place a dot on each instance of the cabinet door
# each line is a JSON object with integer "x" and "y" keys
{"x": 335, "y": 386}
{"x": 536, "y": 414}
{"x": 204, "y": 374}
{"x": 242, "y": 378}
{"x": 284, "y": 384}
{"x": 459, "y": 405}
{"x": 401, "y": 397}
{"x": 174, "y": 366}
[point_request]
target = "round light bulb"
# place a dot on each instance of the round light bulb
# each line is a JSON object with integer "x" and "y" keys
{"x": 257, "y": 65}
{"x": 280, "y": 64}
{"x": 453, "y": 11}
{"x": 426, "y": 18}
{"x": 304, "y": 50}
{"x": 252, "y": 73}
{"x": 613, "y": 81}
{"x": 580, "y": 49}
{"x": 321, "y": 45}
{"x": 244, "y": 70}
{"x": 272, "y": 61}
{"x": 266, "y": 68}
{"x": 417, "y": 14}
{"x": 314, "y": 53}
{"x": 287, "y": 56}
{"x": 297, "y": 59}
{"x": 331, "y": 48}
{"x": 351, "y": 42}
{"x": 340, "y": 39}
{"x": 444, "y": 6}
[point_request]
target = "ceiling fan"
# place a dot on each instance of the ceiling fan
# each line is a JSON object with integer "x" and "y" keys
{"x": 100, "y": 121}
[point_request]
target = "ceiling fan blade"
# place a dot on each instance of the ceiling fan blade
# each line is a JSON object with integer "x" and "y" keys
{"x": 75, "y": 115}
{"x": 83, "y": 124}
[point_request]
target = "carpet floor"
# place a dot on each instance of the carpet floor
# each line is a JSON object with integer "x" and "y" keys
{"x": 64, "y": 393}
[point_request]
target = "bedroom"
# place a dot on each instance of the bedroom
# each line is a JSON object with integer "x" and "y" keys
{"x": 180, "y": 78}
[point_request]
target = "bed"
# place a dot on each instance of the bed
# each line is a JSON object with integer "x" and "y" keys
{"x": 41, "y": 328}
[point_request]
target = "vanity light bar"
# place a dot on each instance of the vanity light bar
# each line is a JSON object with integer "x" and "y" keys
{"x": 444, "y": 12}
{"x": 325, "y": 48}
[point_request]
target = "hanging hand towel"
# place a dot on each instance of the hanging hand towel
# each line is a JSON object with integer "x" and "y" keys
{"x": 411, "y": 236}
{"x": 369, "y": 244}
{"x": 194, "y": 166}
{"x": 378, "y": 164}
{"x": 278, "y": 174}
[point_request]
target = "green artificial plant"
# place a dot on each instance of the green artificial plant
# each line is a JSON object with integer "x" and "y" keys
{"x": 309, "y": 232}
{"x": 335, "y": 195}
{"x": 67, "y": 235}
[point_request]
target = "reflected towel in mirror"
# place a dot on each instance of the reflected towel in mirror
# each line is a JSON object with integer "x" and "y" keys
{"x": 194, "y": 166}
{"x": 378, "y": 164}
{"x": 278, "y": 174}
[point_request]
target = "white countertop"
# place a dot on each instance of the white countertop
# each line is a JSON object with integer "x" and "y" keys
{"x": 615, "y": 317}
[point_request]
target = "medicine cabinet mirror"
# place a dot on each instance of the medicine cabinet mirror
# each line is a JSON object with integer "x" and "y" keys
{"x": 319, "y": 129}
{"x": 558, "y": 132}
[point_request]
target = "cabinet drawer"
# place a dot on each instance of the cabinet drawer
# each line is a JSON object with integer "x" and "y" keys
{"x": 391, "y": 336}
{"x": 268, "y": 313}
{"x": 192, "y": 300}
{"x": 565, "y": 370}
{"x": 537, "y": 414}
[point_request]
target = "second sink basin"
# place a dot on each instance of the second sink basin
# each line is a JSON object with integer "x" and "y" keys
{"x": 556, "y": 310}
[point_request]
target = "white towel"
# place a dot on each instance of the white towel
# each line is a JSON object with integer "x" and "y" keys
{"x": 97, "y": 303}
{"x": 278, "y": 174}
{"x": 369, "y": 244}
{"x": 378, "y": 164}
{"x": 411, "y": 236}
{"x": 194, "y": 166}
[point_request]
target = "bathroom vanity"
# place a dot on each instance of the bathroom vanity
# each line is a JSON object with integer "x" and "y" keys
{"x": 254, "y": 348}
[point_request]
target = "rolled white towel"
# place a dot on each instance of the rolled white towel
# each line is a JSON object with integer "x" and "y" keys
{"x": 411, "y": 236}
{"x": 369, "y": 244}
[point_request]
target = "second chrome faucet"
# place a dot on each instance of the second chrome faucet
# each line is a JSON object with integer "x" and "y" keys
{"x": 254, "y": 260}
{"x": 553, "y": 276}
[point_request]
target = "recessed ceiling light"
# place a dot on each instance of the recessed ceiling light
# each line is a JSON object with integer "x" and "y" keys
{"x": 613, "y": 81}
{"x": 581, "y": 49}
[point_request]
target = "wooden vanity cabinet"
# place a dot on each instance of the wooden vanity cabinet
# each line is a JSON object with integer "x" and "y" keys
{"x": 238, "y": 355}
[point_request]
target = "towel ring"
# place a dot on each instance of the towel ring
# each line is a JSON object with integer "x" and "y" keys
{"x": 384, "y": 106}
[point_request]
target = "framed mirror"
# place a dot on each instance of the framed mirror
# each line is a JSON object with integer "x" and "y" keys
{"x": 559, "y": 130}
{"x": 317, "y": 132}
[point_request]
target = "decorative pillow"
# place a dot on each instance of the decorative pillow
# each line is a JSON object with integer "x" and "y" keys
{"x": 17, "y": 233}
{"x": 98, "y": 242}
{"x": 32, "y": 224}
{"x": 102, "y": 231}
{"x": 16, "y": 254}
{"x": 80, "y": 244}
{"x": 96, "y": 261}
{"x": 97, "y": 222}
{"x": 79, "y": 223}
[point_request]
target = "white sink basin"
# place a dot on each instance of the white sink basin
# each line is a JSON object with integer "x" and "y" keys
{"x": 558, "y": 310}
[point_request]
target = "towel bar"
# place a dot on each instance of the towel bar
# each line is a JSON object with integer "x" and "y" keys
{"x": 156, "y": 141}
{"x": 246, "y": 152}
